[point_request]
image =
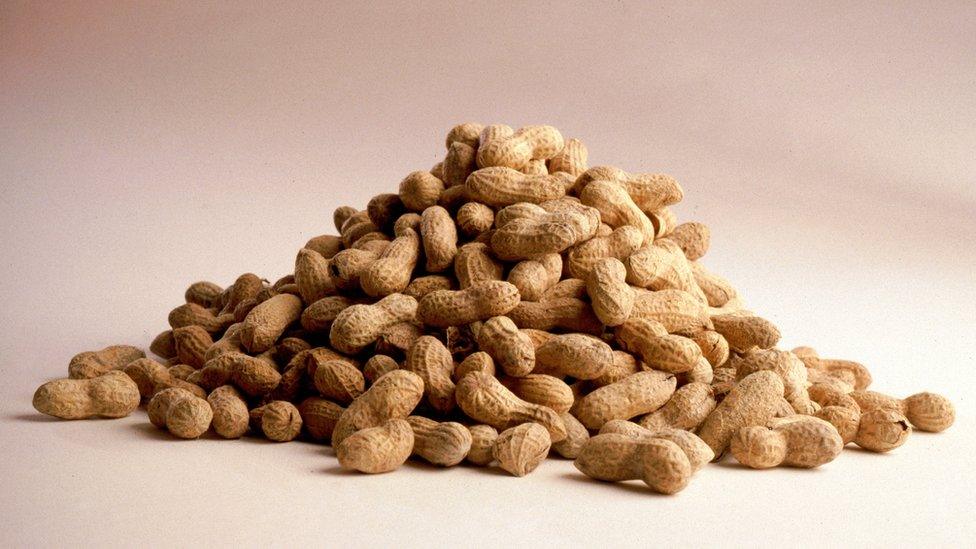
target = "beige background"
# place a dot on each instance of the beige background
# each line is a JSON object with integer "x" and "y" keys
{"x": 146, "y": 145}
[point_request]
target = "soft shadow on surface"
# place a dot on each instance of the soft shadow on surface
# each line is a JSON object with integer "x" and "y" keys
{"x": 733, "y": 464}
{"x": 150, "y": 431}
{"x": 338, "y": 470}
{"x": 634, "y": 487}
{"x": 36, "y": 417}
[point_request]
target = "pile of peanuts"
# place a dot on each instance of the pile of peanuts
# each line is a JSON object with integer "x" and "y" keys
{"x": 509, "y": 303}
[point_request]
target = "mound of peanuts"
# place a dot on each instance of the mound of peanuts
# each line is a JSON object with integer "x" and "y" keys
{"x": 510, "y": 303}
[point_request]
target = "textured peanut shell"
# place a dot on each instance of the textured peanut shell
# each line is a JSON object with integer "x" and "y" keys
{"x": 693, "y": 238}
{"x": 745, "y": 332}
{"x": 444, "y": 444}
{"x": 650, "y": 191}
{"x": 713, "y": 346}
{"x": 718, "y": 291}
{"x": 695, "y": 449}
{"x": 520, "y": 449}
{"x": 483, "y": 398}
{"x": 230, "y": 413}
{"x": 753, "y": 401}
{"x": 358, "y": 326}
{"x": 319, "y": 417}
{"x": 319, "y": 316}
{"x": 163, "y": 345}
{"x": 610, "y": 295}
{"x": 564, "y": 313}
{"x": 619, "y": 244}
{"x": 423, "y": 285}
{"x": 661, "y": 464}
{"x": 266, "y": 322}
{"x": 110, "y": 395}
{"x": 475, "y": 362}
{"x": 338, "y": 380}
{"x": 571, "y": 159}
{"x": 92, "y": 364}
{"x": 252, "y": 375}
{"x": 473, "y": 264}
{"x": 326, "y": 245}
{"x": 378, "y": 366}
{"x": 474, "y": 218}
{"x": 543, "y": 390}
{"x": 430, "y": 359}
{"x": 481, "y": 301}
{"x": 151, "y": 377}
{"x": 180, "y": 412}
{"x": 623, "y": 365}
{"x": 926, "y": 411}
{"x": 678, "y": 311}
{"x": 379, "y": 449}
{"x": 511, "y": 349}
{"x": 192, "y": 343}
{"x": 658, "y": 349}
{"x": 787, "y": 366}
{"x": 391, "y": 272}
{"x": 616, "y": 207}
{"x": 805, "y": 442}
{"x": 420, "y": 190}
{"x": 576, "y": 355}
{"x": 482, "y": 442}
{"x": 882, "y": 430}
{"x": 191, "y": 314}
{"x": 686, "y": 409}
{"x": 312, "y": 276}
{"x": 534, "y": 277}
{"x": 576, "y": 437}
{"x": 203, "y": 293}
{"x": 392, "y": 396}
{"x": 279, "y": 420}
{"x": 440, "y": 238}
{"x": 641, "y": 393}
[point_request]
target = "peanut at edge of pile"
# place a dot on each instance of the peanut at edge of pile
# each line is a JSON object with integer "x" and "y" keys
{"x": 506, "y": 304}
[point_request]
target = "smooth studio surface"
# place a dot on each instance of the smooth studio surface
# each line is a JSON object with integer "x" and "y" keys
{"x": 146, "y": 146}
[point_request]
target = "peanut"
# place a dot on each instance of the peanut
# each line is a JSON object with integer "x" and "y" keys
{"x": 686, "y": 408}
{"x": 926, "y": 411}
{"x": 336, "y": 378}
{"x": 534, "y": 277}
{"x": 358, "y": 326}
{"x": 151, "y": 377}
{"x": 695, "y": 449}
{"x": 443, "y": 444}
{"x": 617, "y": 208}
{"x": 481, "y": 301}
{"x": 430, "y": 359}
{"x": 651, "y": 342}
{"x": 507, "y": 345}
{"x": 180, "y": 412}
{"x": 420, "y": 190}
{"x": 230, "y": 415}
{"x": 576, "y": 437}
{"x": 787, "y": 366}
{"x": 92, "y": 364}
{"x": 501, "y": 147}
{"x": 319, "y": 417}
{"x": 439, "y": 238}
{"x": 266, "y": 322}
{"x": 483, "y": 398}
{"x": 612, "y": 298}
{"x": 379, "y": 449}
{"x": 543, "y": 390}
{"x": 571, "y": 159}
{"x": 252, "y": 375}
{"x": 693, "y": 238}
{"x": 192, "y": 343}
{"x": 112, "y": 394}
{"x": 753, "y": 401}
{"x": 520, "y": 449}
{"x": 641, "y": 393}
{"x": 745, "y": 332}
{"x": 576, "y": 355}
{"x": 614, "y": 457}
{"x": 801, "y": 442}
{"x": 279, "y": 420}
{"x": 473, "y": 264}
{"x": 392, "y": 396}
{"x": 882, "y": 430}
{"x": 391, "y": 272}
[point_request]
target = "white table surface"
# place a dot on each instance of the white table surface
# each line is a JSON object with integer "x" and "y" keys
{"x": 143, "y": 147}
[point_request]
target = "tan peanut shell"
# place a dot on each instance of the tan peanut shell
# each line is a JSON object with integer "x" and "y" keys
{"x": 440, "y": 238}
{"x": 571, "y": 159}
{"x": 511, "y": 349}
{"x": 787, "y": 366}
{"x": 443, "y": 444}
{"x": 430, "y": 359}
{"x": 251, "y": 375}
{"x": 520, "y": 449}
{"x": 473, "y": 264}
{"x": 319, "y": 316}
{"x": 882, "y": 430}
{"x": 576, "y": 437}
{"x": 192, "y": 343}
{"x": 576, "y": 355}
{"x": 617, "y": 208}
{"x": 391, "y": 272}
{"x": 543, "y": 390}
{"x": 420, "y": 190}
{"x": 641, "y": 393}
{"x": 95, "y": 363}
{"x": 266, "y": 322}
{"x": 481, "y": 301}
{"x": 230, "y": 414}
{"x": 483, "y": 439}
{"x": 379, "y": 449}
{"x": 564, "y": 313}
{"x": 483, "y": 398}
{"x": 151, "y": 377}
{"x": 745, "y": 332}
{"x": 279, "y": 420}
{"x": 694, "y": 448}
{"x": 180, "y": 412}
{"x": 337, "y": 380}
{"x": 648, "y": 340}
{"x": 499, "y": 146}
{"x": 533, "y": 277}
{"x": 693, "y": 238}
{"x": 377, "y": 366}
{"x": 474, "y": 218}
{"x": 392, "y": 396}
{"x": 678, "y": 311}
{"x": 319, "y": 417}
{"x": 358, "y": 326}
{"x": 685, "y": 409}
{"x": 753, "y": 401}
{"x": 326, "y": 245}
{"x": 713, "y": 346}
{"x": 926, "y": 411}
{"x": 163, "y": 345}
{"x": 661, "y": 464}
{"x": 802, "y": 442}
{"x": 112, "y": 394}
{"x": 312, "y": 276}
{"x": 611, "y": 297}
{"x": 649, "y": 191}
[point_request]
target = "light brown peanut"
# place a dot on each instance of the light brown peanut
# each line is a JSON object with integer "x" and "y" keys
{"x": 753, "y": 401}
{"x": 641, "y": 393}
{"x": 230, "y": 414}
{"x": 358, "y": 326}
{"x": 576, "y": 355}
{"x": 686, "y": 408}
{"x": 661, "y": 464}
{"x": 611, "y": 297}
{"x": 180, "y": 412}
{"x": 266, "y": 322}
{"x": 507, "y": 345}
{"x": 379, "y": 449}
{"x": 92, "y": 364}
{"x": 481, "y": 301}
{"x": 483, "y": 398}
{"x": 926, "y": 411}
{"x": 392, "y": 396}
{"x": 112, "y": 394}
{"x": 443, "y": 444}
{"x": 520, "y": 449}
{"x": 430, "y": 359}
{"x": 801, "y": 441}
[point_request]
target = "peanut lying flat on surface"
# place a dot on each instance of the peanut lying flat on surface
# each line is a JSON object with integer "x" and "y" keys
{"x": 508, "y": 300}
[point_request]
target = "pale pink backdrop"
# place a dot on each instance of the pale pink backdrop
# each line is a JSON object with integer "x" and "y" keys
{"x": 144, "y": 145}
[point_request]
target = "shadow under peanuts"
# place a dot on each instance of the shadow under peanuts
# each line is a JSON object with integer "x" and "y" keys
{"x": 634, "y": 487}
{"x": 36, "y": 417}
